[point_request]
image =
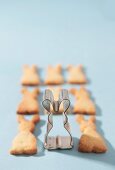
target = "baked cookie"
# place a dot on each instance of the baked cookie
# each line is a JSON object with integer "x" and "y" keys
{"x": 54, "y": 75}
{"x": 29, "y": 103}
{"x": 24, "y": 143}
{"x": 28, "y": 125}
{"x": 91, "y": 140}
{"x": 83, "y": 103}
{"x": 76, "y": 75}
{"x": 30, "y": 76}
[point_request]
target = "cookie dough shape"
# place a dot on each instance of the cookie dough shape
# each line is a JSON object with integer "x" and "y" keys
{"x": 91, "y": 140}
{"x": 24, "y": 143}
{"x": 76, "y": 75}
{"x": 83, "y": 103}
{"x": 54, "y": 75}
{"x": 30, "y": 76}
{"x": 29, "y": 103}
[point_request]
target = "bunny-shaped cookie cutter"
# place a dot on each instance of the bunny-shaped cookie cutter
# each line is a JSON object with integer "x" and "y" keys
{"x": 58, "y": 142}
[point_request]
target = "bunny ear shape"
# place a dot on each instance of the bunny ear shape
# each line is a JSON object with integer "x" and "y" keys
{"x": 25, "y": 67}
{"x": 80, "y": 118}
{"x": 92, "y": 119}
{"x": 34, "y": 67}
{"x": 80, "y": 66}
{"x": 36, "y": 91}
{"x": 83, "y": 92}
{"x": 36, "y": 118}
{"x": 73, "y": 91}
{"x": 20, "y": 118}
{"x": 24, "y": 89}
{"x": 69, "y": 67}
{"x": 58, "y": 67}
{"x": 49, "y": 67}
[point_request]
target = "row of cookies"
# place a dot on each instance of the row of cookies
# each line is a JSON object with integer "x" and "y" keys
{"x": 83, "y": 103}
{"x": 54, "y": 75}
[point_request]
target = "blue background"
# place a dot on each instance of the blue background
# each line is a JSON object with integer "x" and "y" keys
{"x": 51, "y": 32}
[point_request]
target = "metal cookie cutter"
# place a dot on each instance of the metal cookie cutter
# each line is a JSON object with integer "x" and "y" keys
{"x": 58, "y": 142}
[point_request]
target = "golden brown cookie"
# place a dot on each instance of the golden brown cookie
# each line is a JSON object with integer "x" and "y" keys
{"x": 76, "y": 75}
{"x": 30, "y": 76}
{"x": 24, "y": 143}
{"x": 29, "y": 103}
{"x": 83, "y": 103}
{"x": 54, "y": 75}
{"x": 28, "y": 125}
{"x": 91, "y": 140}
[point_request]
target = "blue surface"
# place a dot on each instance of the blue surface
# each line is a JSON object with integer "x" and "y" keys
{"x": 51, "y": 32}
